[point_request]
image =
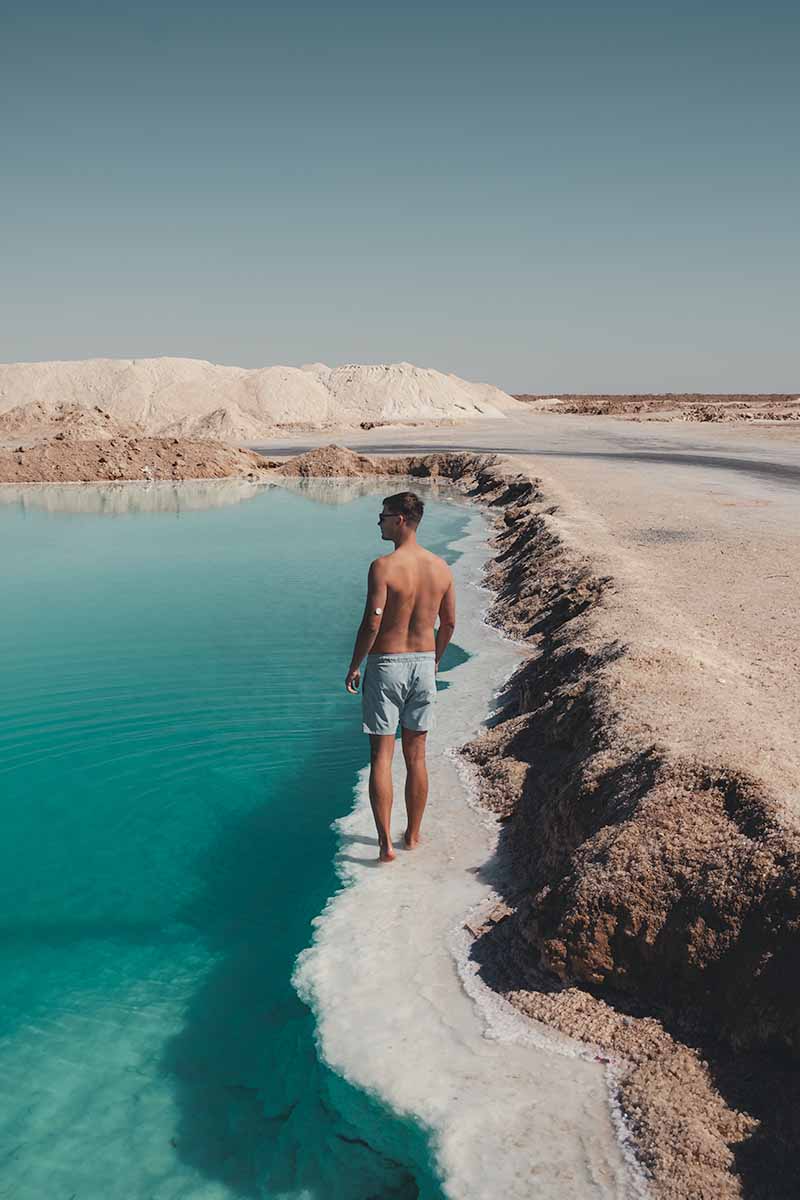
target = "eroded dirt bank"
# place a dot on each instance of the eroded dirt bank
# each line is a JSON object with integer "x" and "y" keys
{"x": 663, "y": 885}
{"x": 61, "y": 460}
{"x": 651, "y": 876}
{"x": 129, "y": 456}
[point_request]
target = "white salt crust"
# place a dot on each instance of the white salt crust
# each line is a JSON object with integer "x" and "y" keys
{"x": 513, "y": 1109}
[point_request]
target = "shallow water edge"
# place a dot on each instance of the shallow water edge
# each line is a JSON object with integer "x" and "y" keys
{"x": 387, "y": 974}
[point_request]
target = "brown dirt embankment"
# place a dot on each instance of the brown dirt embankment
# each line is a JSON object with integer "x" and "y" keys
{"x": 61, "y": 460}
{"x": 715, "y": 919}
{"x": 71, "y": 457}
{"x": 653, "y": 902}
{"x": 650, "y": 881}
{"x": 338, "y": 462}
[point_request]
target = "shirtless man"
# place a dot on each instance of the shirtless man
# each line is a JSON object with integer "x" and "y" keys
{"x": 406, "y": 590}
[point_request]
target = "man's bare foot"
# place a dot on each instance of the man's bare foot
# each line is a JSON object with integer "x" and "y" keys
{"x": 411, "y": 840}
{"x": 386, "y": 852}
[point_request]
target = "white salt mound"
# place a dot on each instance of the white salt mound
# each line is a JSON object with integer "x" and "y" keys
{"x": 189, "y": 397}
{"x": 227, "y": 424}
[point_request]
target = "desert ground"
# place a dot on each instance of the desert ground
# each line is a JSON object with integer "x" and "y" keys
{"x": 768, "y": 407}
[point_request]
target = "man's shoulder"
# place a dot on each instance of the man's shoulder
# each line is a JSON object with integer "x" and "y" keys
{"x": 443, "y": 566}
{"x": 432, "y": 560}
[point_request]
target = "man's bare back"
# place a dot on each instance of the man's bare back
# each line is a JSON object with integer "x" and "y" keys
{"x": 406, "y": 591}
{"x": 413, "y": 584}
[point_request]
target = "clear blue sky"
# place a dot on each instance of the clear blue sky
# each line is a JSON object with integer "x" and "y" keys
{"x": 553, "y": 196}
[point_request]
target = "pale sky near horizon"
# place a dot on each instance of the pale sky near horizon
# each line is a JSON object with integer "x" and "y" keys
{"x": 559, "y": 196}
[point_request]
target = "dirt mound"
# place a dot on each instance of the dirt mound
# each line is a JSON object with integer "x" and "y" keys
{"x": 36, "y": 421}
{"x": 60, "y": 460}
{"x": 336, "y": 460}
{"x": 330, "y": 461}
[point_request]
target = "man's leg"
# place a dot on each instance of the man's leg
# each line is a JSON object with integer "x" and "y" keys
{"x": 416, "y": 782}
{"x": 381, "y": 752}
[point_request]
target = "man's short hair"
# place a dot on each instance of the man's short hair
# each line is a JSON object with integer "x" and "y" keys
{"x": 405, "y": 504}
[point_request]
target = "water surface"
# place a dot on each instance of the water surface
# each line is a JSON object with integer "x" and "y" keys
{"x": 175, "y": 741}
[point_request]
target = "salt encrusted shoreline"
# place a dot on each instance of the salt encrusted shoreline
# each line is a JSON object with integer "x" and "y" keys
{"x": 652, "y": 902}
{"x": 511, "y": 1116}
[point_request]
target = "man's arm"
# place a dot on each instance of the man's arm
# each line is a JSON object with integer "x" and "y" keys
{"x": 370, "y": 622}
{"x": 447, "y": 621}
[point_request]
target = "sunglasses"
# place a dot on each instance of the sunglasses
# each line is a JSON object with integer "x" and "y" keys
{"x": 384, "y": 516}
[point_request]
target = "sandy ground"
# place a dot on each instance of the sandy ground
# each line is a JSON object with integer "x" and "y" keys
{"x": 709, "y": 571}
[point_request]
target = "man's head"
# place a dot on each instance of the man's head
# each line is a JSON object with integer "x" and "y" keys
{"x": 400, "y": 516}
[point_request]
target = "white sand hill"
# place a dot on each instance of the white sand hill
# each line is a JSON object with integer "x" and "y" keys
{"x": 193, "y": 398}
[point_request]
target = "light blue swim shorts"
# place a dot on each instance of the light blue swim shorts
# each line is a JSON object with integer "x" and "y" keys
{"x": 399, "y": 687}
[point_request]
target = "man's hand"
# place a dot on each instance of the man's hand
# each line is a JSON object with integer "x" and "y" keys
{"x": 353, "y": 680}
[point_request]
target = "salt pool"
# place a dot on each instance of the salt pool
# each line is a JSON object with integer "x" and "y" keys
{"x": 175, "y": 741}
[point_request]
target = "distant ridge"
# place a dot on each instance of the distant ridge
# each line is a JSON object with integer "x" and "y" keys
{"x": 193, "y": 398}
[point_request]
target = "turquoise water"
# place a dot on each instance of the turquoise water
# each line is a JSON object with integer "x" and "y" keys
{"x": 175, "y": 741}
